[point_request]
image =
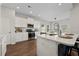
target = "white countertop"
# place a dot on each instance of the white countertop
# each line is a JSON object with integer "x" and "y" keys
{"x": 69, "y": 42}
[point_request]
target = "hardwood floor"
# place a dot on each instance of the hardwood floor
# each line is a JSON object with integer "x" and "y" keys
{"x": 25, "y": 48}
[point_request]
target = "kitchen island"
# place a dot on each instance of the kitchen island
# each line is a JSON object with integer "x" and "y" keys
{"x": 48, "y": 45}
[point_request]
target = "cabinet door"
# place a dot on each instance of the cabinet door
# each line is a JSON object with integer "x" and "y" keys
{"x": 4, "y": 40}
{"x": 18, "y": 37}
{"x": 21, "y": 37}
{"x": 0, "y": 49}
{"x": 24, "y": 36}
{"x": 20, "y": 22}
{"x": 46, "y": 47}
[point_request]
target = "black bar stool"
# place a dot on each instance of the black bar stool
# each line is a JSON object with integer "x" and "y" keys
{"x": 76, "y": 47}
{"x": 66, "y": 50}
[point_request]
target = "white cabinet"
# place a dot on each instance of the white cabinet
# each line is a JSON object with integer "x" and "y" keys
{"x": 4, "y": 45}
{"x": 3, "y": 41}
{"x": 20, "y": 22}
{"x": 0, "y": 49}
{"x": 21, "y": 36}
{"x": 8, "y": 22}
{"x": 0, "y": 46}
{"x": 46, "y": 47}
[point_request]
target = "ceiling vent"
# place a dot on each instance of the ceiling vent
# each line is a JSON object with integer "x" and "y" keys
{"x": 29, "y": 6}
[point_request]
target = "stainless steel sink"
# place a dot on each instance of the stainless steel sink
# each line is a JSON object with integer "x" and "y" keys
{"x": 66, "y": 37}
{"x": 52, "y": 34}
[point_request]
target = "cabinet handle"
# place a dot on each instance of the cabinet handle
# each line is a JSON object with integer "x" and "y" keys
{"x": 9, "y": 32}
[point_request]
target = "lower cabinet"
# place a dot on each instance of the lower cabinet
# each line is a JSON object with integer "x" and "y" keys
{"x": 46, "y": 47}
{"x": 4, "y": 45}
{"x": 0, "y": 48}
{"x": 4, "y": 49}
{"x": 21, "y": 37}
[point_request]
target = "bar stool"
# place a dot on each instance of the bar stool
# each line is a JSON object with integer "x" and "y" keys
{"x": 68, "y": 49}
{"x": 76, "y": 46}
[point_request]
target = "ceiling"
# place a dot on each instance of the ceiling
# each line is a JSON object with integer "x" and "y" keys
{"x": 45, "y": 11}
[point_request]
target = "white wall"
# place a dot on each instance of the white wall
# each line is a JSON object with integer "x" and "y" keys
{"x": 66, "y": 22}
{"x": 73, "y": 21}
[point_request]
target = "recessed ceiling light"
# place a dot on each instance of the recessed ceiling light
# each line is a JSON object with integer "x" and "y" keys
{"x": 17, "y": 7}
{"x": 31, "y": 12}
{"x": 60, "y": 4}
{"x": 39, "y": 15}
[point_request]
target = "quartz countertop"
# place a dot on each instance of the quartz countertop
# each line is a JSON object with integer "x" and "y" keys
{"x": 65, "y": 41}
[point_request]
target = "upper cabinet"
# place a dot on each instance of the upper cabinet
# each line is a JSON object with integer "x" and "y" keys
{"x": 22, "y": 22}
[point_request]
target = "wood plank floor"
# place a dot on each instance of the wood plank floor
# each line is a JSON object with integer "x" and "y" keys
{"x": 26, "y": 48}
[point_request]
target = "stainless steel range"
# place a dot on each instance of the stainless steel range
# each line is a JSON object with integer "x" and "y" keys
{"x": 31, "y": 32}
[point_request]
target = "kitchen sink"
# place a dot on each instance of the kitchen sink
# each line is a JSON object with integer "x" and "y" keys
{"x": 66, "y": 37}
{"x": 52, "y": 34}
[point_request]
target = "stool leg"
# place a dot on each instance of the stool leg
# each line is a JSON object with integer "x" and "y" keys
{"x": 66, "y": 51}
{"x": 70, "y": 51}
{"x": 78, "y": 52}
